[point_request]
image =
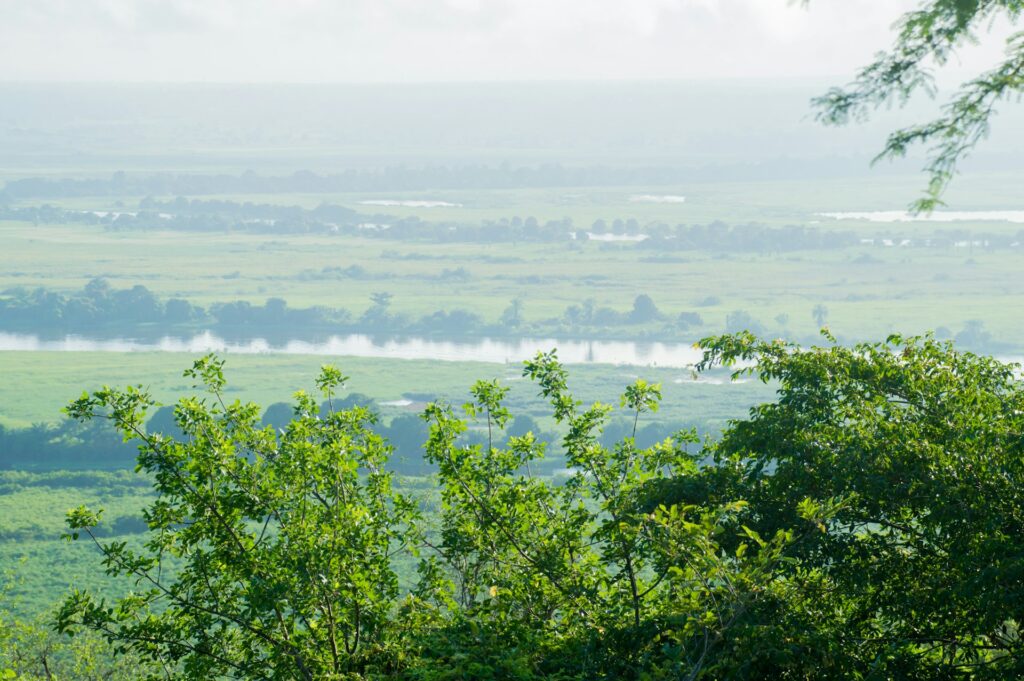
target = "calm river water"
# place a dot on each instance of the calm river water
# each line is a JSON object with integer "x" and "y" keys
{"x": 673, "y": 355}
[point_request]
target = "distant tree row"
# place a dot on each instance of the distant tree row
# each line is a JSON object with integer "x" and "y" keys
{"x": 70, "y": 445}
{"x": 217, "y": 217}
{"x": 718, "y": 236}
{"x": 96, "y": 304}
{"x": 64, "y": 445}
{"x": 196, "y": 215}
{"x": 99, "y": 307}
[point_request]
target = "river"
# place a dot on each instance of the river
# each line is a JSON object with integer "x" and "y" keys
{"x": 636, "y": 353}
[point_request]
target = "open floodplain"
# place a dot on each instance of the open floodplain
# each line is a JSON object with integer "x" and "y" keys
{"x": 36, "y": 384}
{"x": 511, "y": 340}
{"x": 450, "y": 251}
{"x": 887, "y": 277}
{"x": 868, "y": 288}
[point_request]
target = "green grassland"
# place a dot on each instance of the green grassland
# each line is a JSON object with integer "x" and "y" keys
{"x": 869, "y": 291}
{"x": 37, "y": 385}
{"x": 40, "y": 565}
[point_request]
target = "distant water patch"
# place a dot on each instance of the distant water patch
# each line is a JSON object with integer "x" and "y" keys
{"x": 634, "y": 353}
{"x": 657, "y": 198}
{"x": 936, "y": 216}
{"x": 614, "y": 237}
{"x": 410, "y": 204}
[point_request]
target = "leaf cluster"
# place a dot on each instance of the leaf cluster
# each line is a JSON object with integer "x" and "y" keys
{"x": 928, "y": 38}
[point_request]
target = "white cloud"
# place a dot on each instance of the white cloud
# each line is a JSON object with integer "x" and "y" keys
{"x": 432, "y": 40}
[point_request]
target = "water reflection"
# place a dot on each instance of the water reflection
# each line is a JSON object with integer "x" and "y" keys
{"x": 672, "y": 355}
{"x": 936, "y": 216}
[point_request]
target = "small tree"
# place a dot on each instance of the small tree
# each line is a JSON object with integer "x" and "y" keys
{"x": 577, "y": 579}
{"x": 644, "y": 310}
{"x": 512, "y": 316}
{"x": 378, "y": 313}
{"x": 269, "y": 554}
{"x": 820, "y": 314}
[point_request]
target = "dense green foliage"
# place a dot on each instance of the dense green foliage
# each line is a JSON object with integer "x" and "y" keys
{"x": 916, "y": 447}
{"x": 262, "y": 588}
{"x": 863, "y": 525}
{"x": 286, "y": 543}
{"x": 32, "y": 651}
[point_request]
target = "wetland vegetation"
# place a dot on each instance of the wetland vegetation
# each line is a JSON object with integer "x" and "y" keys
{"x": 597, "y": 380}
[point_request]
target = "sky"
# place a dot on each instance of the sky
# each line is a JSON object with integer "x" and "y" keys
{"x": 442, "y": 40}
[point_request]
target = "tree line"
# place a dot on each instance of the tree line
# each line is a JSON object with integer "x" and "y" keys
{"x": 99, "y": 307}
{"x": 216, "y": 215}
{"x": 221, "y": 216}
{"x": 71, "y": 445}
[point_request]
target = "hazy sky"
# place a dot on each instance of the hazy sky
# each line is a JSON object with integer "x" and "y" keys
{"x": 438, "y": 40}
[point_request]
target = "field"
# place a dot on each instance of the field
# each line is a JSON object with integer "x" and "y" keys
{"x": 38, "y": 565}
{"x": 869, "y": 291}
{"x": 37, "y": 384}
{"x": 861, "y": 291}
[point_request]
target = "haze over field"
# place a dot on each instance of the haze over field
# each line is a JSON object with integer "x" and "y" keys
{"x": 439, "y": 40}
{"x": 313, "y": 172}
{"x": 613, "y": 360}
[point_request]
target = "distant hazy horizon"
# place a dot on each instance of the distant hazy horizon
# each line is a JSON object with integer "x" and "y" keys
{"x": 745, "y": 127}
{"x": 318, "y": 41}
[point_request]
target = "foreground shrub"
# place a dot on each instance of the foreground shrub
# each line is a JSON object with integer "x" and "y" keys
{"x": 864, "y": 525}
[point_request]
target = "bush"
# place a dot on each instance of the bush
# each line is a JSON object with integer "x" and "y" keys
{"x": 864, "y": 525}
